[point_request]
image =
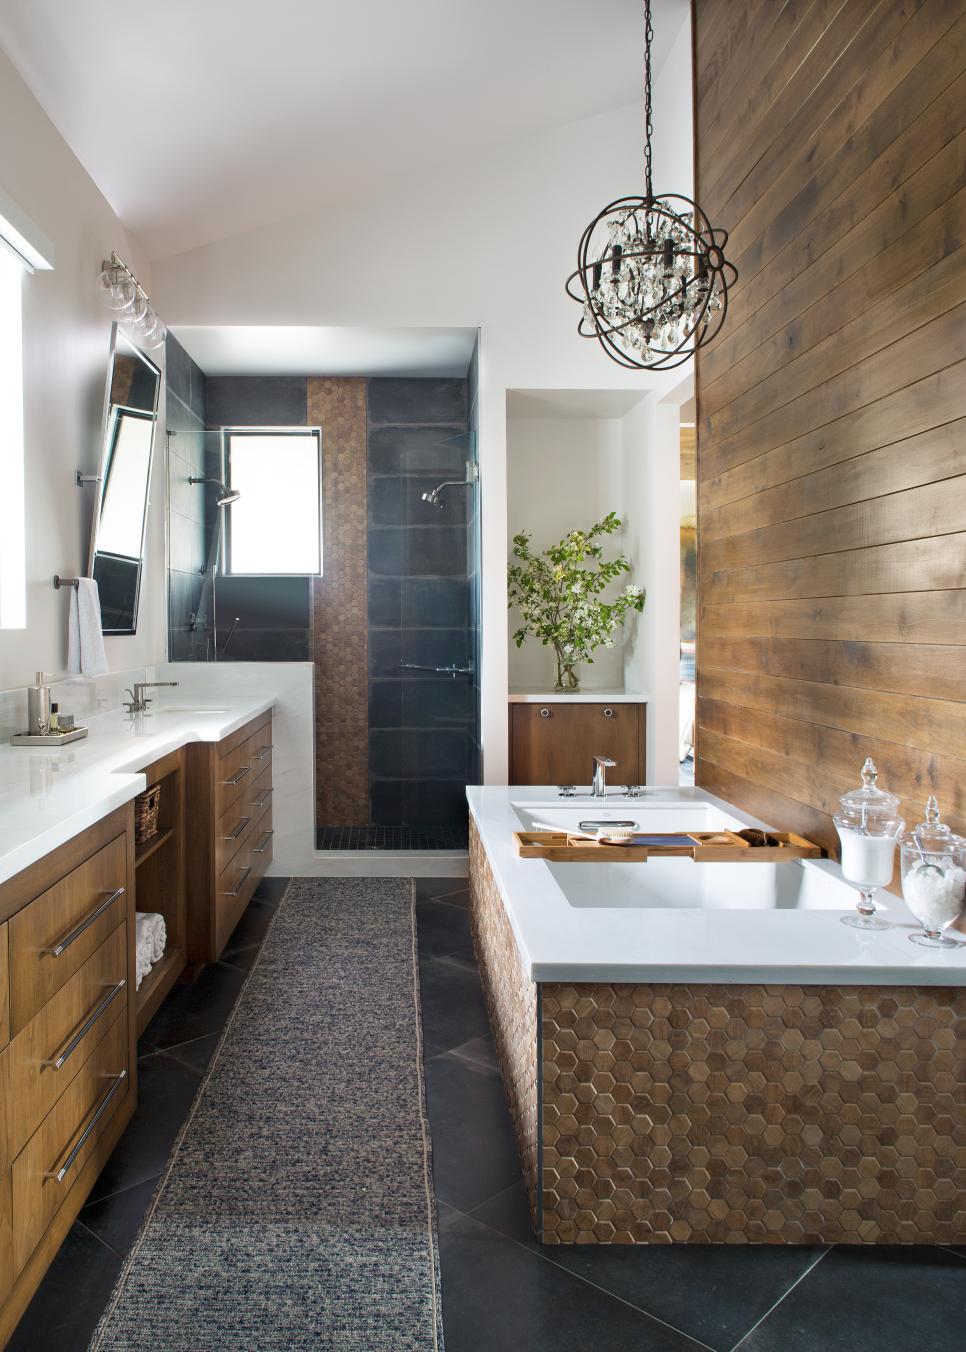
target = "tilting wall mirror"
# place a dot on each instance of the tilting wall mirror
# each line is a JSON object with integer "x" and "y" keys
{"x": 120, "y": 518}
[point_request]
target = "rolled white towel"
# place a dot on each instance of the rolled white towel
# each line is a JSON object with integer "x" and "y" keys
{"x": 142, "y": 961}
{"x": 151, "y": 927}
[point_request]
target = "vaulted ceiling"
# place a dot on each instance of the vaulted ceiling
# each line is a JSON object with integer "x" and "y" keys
{"x": 202, "y": 118}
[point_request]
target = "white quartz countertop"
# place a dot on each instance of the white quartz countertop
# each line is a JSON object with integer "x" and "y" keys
{"x": 49, "y": 794}
{"x": 522, "y": 695}
{"x": 563, "y": 941}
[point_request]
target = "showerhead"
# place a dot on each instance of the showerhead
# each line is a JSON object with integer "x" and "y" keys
{"x": 433, "y": 498}
{"x": 226, "y": 496}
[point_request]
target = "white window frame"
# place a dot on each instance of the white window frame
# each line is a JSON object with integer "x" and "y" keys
{"x": 227, "y": 434}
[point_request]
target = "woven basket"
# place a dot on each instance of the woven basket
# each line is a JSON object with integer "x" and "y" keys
{"x": 146, "y": 807}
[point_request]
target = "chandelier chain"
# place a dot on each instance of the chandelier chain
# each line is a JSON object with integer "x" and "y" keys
{"x": 648, "y": 124}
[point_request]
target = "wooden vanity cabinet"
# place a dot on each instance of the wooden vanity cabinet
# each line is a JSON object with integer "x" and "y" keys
{"x": 68, "y": 1060}
{"x": 229, "y": 845}
{"x": 555, "y": 743}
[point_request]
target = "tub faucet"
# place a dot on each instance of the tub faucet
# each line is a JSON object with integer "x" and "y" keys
{"x": 601, "y": 765}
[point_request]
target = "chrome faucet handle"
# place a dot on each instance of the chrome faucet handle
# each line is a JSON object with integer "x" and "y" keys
{"x": 633, "y": 790}
{"x": 567, "y": 790}
{"x": 130, "y": 705}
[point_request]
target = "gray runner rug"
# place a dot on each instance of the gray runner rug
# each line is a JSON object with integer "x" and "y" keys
{"x": 297, "y": 1208}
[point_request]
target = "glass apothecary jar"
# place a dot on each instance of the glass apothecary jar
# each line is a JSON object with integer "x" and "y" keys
{"x": 868, "y": 823}
{"x": 933, "y": 864}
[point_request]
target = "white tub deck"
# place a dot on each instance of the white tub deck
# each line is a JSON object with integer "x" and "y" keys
{"x": 673, "y": 920}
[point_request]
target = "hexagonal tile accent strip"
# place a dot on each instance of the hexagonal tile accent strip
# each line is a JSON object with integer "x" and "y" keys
{"x": 728, "y": 1114}
{"x": 511, "y": 999}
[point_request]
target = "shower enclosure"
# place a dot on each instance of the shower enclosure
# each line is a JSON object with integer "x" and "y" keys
{"x": 387, "y": 612}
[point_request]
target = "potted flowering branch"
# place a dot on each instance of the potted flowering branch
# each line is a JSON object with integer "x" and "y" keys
{"x": 558, "y": 595}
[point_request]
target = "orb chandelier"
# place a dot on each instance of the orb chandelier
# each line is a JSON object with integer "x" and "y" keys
{"x": 651, "y": 272}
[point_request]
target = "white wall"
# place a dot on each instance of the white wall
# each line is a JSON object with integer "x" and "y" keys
{"x": 66, "y": 342}
{"x": 650, "y": 435}
{"x": 486, "y": 243}
{"x": 562, "y": 474}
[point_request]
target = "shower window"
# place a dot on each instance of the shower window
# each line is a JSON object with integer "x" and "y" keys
{"x": 275, "y": 526}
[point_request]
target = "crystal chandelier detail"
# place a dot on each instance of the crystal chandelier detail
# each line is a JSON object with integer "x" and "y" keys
{"x": 651, "y": 273}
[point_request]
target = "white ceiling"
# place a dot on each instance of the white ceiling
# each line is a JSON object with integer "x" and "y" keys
{"x": 202, "y": 118}
{"x": 308, "y": 350}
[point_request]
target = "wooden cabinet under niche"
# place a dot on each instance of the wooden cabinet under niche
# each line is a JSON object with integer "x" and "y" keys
{"x": 555, "y": 743}
{"x": 160, "y": 883}
{"x": 229, "y": 787}
{"x": 68, "y": 1063}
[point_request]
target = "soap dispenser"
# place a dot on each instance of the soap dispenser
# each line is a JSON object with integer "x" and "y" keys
{"x": 38, "y": 707}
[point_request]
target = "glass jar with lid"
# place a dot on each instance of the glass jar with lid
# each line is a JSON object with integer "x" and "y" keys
{"x": 933, "y": 866}
{"x": 868, "y": 823}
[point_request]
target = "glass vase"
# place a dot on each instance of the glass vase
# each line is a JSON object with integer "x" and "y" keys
{"x": 567, "y": 680}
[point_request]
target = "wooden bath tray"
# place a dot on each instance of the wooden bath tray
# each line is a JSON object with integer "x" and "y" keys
{"x": 704, "y": 847}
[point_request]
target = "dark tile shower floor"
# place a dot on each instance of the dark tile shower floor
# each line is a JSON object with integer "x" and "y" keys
{"x": 502, "y": 1290}
{"x": 391, "y": 838}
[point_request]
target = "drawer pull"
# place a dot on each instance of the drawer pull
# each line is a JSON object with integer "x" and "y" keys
{"x": 88, "y": 1024}
{"x": 61, "y": 947}
{"x": 608, "y": 713}
{"x": 262, "y": 801}
{"x": 61, "y": 1173}
{"x": 240, "y": 827}
{"x": 544, "y": 713}
{"x": 260, "y": 755}
{"x": 262, "y": 844}
{"x": 239, "y": 885}
{"x": 237, "y": 779}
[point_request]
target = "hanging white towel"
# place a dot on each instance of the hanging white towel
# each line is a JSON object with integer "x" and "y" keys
{"x": 85, "y": 642}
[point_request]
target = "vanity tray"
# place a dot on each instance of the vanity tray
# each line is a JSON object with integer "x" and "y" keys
{"x": 704, "y": 847}
{"x": 49, "y": 739}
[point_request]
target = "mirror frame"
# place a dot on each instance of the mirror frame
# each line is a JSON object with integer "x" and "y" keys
{"x": 117, "y": 338}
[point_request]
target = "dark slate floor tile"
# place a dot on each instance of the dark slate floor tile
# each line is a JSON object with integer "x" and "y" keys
{"x": 197, "y": 1009}
{"x": 116, "y": 1220}
{"x": 871, "y": 1299}
{"x": 195, "y": 1054}
{"x": 68, "y": 1303}
{"x": 474, "y": 1148}
{"x": 166, "y": 1090}
{"x": 452, "y": 1001}
{"x": 480, "y": 1050}
{"x": 271, "y": 890}
{"x": 737, "y": 1284}
{"x": 443, "y": 930}
{"x": 242, "y": 958}
{"x": 427, "y": 888}
{"x": 252, "y": 927}
{"x": 496, "y": 1295}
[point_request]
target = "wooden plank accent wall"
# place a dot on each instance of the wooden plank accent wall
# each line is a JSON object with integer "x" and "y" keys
{"x": 831, "y": 459}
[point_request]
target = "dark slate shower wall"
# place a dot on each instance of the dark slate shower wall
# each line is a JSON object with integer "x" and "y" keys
{"x": 188, "y": 513}
{"x": 421, "y": 725}
{"x": 274, "y": 613}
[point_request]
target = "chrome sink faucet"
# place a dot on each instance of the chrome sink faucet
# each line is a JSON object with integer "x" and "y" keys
{"x": 138, "y": 703}
{"x": 601, "y": 765}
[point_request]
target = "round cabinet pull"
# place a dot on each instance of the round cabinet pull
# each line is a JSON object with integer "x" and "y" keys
{"x": 608, "y": 713}
{"x": 544, "y": 713}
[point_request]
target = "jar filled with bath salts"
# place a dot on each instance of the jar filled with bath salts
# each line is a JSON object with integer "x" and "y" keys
{"x": 933, "y": 863}
{"x": 868, "y": 823}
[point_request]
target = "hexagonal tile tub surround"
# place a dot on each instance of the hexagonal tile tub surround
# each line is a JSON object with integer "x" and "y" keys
{"x": 728, "y": 1113}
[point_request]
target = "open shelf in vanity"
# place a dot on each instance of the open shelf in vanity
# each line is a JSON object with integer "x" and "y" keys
{"x": 160, "y": 883}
